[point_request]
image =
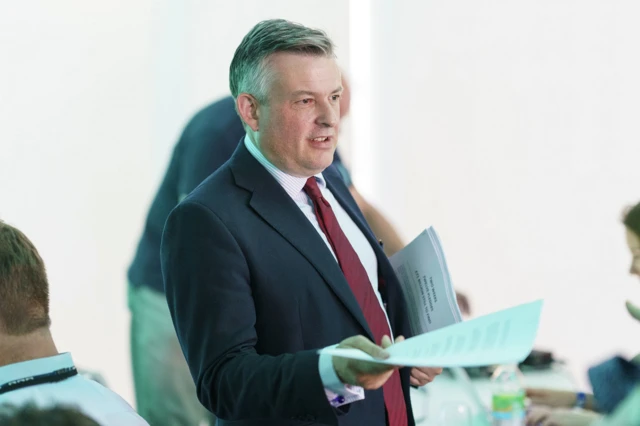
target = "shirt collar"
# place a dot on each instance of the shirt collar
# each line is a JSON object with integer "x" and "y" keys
{"x": 292, "y": 185}
{"x": 35, "y": 367}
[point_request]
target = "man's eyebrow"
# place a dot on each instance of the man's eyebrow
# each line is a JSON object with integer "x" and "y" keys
{"x": 310, "y": 93}
{"x": 302, "y": 92}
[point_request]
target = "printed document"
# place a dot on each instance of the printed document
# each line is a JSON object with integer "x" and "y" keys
{"x": 441, "y": 338}
{"x": 503, "y": 337}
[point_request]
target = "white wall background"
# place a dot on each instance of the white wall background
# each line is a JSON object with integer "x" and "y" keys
{"x": 92, "y": 98}
{"x": 512, "y": 128}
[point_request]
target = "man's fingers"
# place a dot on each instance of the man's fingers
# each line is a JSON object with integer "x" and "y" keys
{"x": 372, "y": 368}
{"x": 386, "y": 342}
{"x": 368, "y": 374}
{"x": 399, "y": 339}
{"x": 366, "y": 346}
{"x": 415, "y": 382}
{"x": 375, "y": 369}
{"x": 425, "y": 375}
{"x": 420, "y": 375}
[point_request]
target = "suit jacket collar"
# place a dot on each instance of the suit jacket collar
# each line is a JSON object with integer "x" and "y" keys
{"x": 271, "y": 202}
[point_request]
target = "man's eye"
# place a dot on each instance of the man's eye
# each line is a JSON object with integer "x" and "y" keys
{"x": 335, "y": 97}
{"x": 306, "y": 101}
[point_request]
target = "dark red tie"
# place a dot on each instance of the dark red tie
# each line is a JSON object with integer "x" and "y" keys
{"x": 361, "y": 287}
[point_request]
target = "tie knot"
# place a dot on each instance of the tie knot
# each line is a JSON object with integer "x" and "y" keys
{"x": 312, "y": 189}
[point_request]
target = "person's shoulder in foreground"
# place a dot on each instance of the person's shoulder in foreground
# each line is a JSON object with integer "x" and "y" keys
{"x": 31, "y": 369}
{"x": 88, "y": 396}
{"x": 32, "y": 415}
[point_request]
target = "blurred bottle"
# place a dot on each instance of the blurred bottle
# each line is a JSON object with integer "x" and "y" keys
{"x": 508, "y": 396}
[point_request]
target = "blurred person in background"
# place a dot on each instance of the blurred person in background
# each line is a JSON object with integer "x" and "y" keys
{"x": 616, "y": 382}
{"x": 165, "y": 393}
{"x": 31, "y": 415}
{"x": 31, "y": 369}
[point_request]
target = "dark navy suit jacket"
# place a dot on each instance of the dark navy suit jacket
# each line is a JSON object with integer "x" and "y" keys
{"x": 207, "y": 142}
{"x": 254, "y": 292}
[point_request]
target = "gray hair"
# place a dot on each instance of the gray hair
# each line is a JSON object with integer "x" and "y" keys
{"x": 248, "y": 72}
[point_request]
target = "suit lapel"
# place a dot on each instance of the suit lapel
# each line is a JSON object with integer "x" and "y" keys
{"x": 271, "y": 202}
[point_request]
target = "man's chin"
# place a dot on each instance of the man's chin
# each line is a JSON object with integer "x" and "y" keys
{"x": 317, "y": 168}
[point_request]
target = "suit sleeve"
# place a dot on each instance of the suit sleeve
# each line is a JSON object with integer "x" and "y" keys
{"x": 208, "y": 289}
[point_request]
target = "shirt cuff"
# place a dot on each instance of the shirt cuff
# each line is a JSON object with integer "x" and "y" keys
{"x": 337, "y": 392}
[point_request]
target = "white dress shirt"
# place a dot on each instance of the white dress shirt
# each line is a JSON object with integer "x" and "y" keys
{"x": 104, "y": 406}
{"x": 337, "y": 392}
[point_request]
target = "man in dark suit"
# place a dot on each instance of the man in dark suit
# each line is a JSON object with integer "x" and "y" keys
{"x": 165, "y": 393}
{"x": 270, "y": 260}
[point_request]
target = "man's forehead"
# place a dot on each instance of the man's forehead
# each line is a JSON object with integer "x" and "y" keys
{"x": 309, "y": 68}
{"x": 306, "y": 74}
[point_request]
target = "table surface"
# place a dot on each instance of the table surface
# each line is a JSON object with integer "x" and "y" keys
{"x": 429, "y": 400}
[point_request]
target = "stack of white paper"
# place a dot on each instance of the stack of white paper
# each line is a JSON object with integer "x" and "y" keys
{"x": 424, "y": 277}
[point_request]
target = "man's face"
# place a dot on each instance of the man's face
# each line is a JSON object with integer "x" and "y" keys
{"x": 298, "y": 126}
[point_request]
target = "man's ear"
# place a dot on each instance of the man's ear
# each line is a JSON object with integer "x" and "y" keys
{"x": 248, "y": 109}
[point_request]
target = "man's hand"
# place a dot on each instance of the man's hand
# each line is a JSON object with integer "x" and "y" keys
{"x": 420, "y": 376}
{"x": 366, "y": 374}
{"x": 542, "y": 416}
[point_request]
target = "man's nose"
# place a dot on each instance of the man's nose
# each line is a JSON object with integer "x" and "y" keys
{"x": 329, "y": 114}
